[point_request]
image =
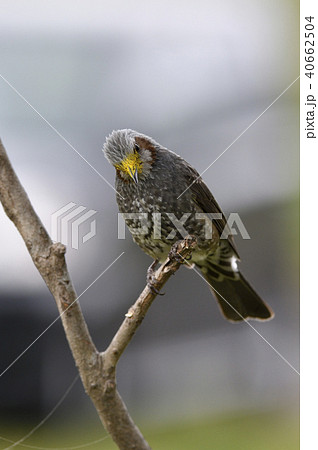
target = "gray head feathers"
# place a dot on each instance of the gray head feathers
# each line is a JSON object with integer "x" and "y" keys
{"x": 126, "y": 146}
{"x": 120, "y": 143}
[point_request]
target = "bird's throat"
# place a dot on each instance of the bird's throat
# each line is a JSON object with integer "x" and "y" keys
{"x": 130, "y": 164}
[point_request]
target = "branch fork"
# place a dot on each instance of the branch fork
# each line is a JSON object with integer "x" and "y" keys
{"x": 97, "y": 369}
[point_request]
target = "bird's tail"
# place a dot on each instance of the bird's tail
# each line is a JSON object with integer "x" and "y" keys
{"x": 236, "y": 297}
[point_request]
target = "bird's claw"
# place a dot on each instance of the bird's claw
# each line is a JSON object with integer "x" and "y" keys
{"x": 174, "y": 254}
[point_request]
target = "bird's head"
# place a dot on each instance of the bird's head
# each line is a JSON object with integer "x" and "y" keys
{"x": 131, "y": 153}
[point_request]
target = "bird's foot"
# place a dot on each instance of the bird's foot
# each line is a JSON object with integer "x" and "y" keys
{"x": 174, "y": 253}
{"x": 151, "y": 281}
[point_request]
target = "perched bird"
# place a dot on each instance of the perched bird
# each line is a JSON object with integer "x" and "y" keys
{"x": 163, "y": 199}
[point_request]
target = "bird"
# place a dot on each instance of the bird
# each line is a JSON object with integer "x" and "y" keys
{"x": 163, "y": 198}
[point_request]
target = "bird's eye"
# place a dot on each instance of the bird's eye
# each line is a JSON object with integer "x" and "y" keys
{"x": 136, "y": 148}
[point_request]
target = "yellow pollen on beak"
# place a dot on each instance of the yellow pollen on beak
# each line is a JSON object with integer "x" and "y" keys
{"x": 131, "y": 165}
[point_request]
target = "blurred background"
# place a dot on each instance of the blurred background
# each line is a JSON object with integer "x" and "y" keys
{"x": 193, "y": 75}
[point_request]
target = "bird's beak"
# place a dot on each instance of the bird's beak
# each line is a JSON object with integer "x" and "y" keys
{"x": 134, "y": 175}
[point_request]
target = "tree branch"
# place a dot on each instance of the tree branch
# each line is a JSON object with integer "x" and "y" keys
{"x": 97, "y": 370}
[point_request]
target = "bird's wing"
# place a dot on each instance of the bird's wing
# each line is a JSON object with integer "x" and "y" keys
{"x": 202, "y": 196}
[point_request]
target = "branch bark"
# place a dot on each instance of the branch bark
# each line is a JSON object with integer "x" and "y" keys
{"x": 97, "y": 369}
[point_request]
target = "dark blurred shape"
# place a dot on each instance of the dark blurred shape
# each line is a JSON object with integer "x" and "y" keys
{"x": 21, "y": 388}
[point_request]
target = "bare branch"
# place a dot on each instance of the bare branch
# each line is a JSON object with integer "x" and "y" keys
{"x": 97, "y": 370}
{"x": 180, "y": 251}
